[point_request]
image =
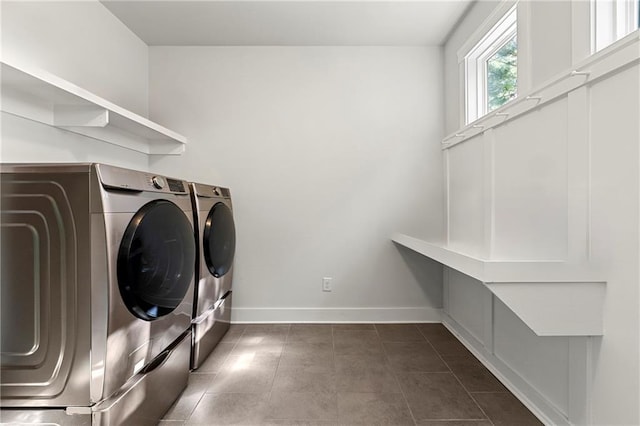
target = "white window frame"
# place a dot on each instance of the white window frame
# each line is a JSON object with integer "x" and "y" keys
{"x": 475, "y": 63}
{"x": 611, "y": 20}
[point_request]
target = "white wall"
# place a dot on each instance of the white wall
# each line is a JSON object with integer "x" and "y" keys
{"x": 85, "y": 44}
{"x": 327, "y": 151}
{"x": 560, "y": 182}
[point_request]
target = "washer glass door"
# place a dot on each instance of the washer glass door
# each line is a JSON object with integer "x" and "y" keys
{"x": 156, "y": 260}
{"x": 219, "y": 240}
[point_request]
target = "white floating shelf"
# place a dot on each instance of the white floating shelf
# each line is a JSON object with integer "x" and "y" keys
{"x": 554, "y": 298}
{"x": 37, "y": 95}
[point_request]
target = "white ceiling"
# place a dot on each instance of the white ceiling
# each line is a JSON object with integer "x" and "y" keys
{"x": 292, "y": 22}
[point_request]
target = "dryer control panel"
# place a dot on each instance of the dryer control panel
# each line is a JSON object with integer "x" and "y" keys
{"x": 210, "y": 191}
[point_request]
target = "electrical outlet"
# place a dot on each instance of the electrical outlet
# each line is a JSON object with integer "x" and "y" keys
{"x": 326, "y": 284}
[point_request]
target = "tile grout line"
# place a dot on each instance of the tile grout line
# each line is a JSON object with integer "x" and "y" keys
{"x": 275, "y": 373}
{"x": 214, "y": 377}
{"x": 395, "y": 376}
{"x": 456, "y": 377}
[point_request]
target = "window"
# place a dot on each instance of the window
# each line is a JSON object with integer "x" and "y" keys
{"x": 611, "y": 20}
{"x": 491, "y": 68}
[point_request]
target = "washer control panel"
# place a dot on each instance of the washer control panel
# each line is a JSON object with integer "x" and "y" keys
{"x": 176, "y": 185}
{"x": 166, "y": 184}
{"x": 117, "y": 177}
{"x": 158, "y": 182}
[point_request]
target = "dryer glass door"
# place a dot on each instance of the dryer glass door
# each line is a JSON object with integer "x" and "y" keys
{"x": 219, "y": 240}
{"x": 156, "y": 260}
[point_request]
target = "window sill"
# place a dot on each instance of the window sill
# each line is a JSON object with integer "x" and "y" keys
{"x": 608, "y": 61}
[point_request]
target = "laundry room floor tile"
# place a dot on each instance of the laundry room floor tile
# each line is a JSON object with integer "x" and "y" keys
{"x": 365, "y": 374}
{"x": 313, "y": 360}
{"x": 230, "y": 408}
{"x": 373, "y": 409}
{"x": 399, "y": 333}
{"x": 344, "y": 374}
{"x": 234, "y": 333}
{"x": 504, "y": 409}
{"x": 215, "y": 360}
{"x": 247, "y": 373}
{"x": 454, "y": 423}
{"x": 310, "y": 333}
{"x": 438, "y": 396}
{"x": 442, "y": 340}
{"x": 414, "y": 357}
{"x": 356, "y": 342}
{"x": 182, "y": 409}
{"x": 347, "y": 326}
{"x": 303, "y": 405}
{"x": 472, "y": 374}
{"x": 304, "y": 380}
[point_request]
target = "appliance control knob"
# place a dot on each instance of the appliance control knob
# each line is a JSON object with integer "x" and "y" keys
{"x": 158, "y": 182}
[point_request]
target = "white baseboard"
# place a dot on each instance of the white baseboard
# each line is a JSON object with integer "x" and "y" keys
{"x": 334, "y": 315}
{"x": 525, "y": 392}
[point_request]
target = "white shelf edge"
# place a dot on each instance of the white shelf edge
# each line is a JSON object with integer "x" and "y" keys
{"x": 35, "y": 94}
{"x": 554, "y": 298}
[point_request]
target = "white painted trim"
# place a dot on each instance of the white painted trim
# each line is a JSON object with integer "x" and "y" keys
{"x": 517, "y": 385}
{"x": 525, "y": 60}
{"x": 447, "y": 201}
{"x": 611, "y": 20}
{"x": 488, "y": 317}
{"x": 497, "y": 14}
{"x": 475, "y": 63}
{"x": 335, "y": 315}
{"x": 556, "y": 309}
{"x": 580, "y": 380}
{"x": 580, "y": 31}
{"x": 488, "y": 171}
{"x": 607, "y": 62}
{"x": 578, "y": 176}
{"x": 503, "y": 271}
{"x": 553, "y": 298}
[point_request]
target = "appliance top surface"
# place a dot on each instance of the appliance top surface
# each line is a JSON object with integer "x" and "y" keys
{"x": 209, "y": 191}
{"x": 45, "y": 167}
{"x": 111, "y": 177}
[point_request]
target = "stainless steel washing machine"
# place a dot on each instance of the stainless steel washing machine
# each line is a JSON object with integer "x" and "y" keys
{"x": 97, "y": 293}
{"x": 216, "y": 243}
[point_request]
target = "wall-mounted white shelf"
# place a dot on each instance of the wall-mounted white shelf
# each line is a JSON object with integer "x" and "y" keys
{"x": 37, "y": 95}
{"x": 554, "y": 298}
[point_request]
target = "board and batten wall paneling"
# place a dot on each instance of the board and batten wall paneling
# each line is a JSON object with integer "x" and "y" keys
{"x": 465, "y": 176}
{"x": 615, "y": 234}
{"x": 550, "y": 43}
{"x": 566, "y": 186}
{"x": 327, "y": 151}
{"x": 530, "y": 189}
{"x": 583, "y": 206}
{"x": 542, "y": 361}
{"x": 83, "y": 43}
{"x": 465, "y": 296}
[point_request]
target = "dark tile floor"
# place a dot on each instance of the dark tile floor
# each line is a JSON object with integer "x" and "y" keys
{"x": 345, "y": 374}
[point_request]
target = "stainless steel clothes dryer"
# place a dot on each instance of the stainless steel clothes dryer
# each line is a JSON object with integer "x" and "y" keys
{"x": 97, "y": 293}
{"x": 216, "y": 243}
